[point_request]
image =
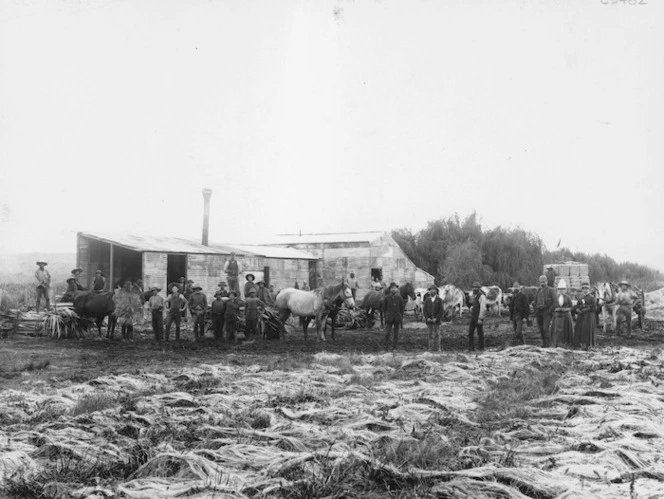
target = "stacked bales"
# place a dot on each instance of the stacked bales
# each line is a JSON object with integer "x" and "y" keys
{"x": 574, "y": 274}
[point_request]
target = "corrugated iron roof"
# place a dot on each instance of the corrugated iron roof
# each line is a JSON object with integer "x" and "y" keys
{"x": 155, "y": 243}
{"x": 330, "y": 237}
{"x": 179, "y": 245}
{"x": 273, "y": 252}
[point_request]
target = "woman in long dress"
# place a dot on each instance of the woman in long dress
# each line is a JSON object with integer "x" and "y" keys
{"x": 586, "y": 320}
{"x": 562, "y": 326}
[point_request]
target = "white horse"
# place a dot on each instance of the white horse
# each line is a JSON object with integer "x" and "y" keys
{"x": 606, "y": 295}
{"x": 316, "y": 304}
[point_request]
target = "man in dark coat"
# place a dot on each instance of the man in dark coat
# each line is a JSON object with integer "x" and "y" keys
{"x": 156, "y": 305}
{"x": 99, "y": 282}
{"x": 393, "y": 307}
{"x": 545, "y": 304}
{"x": 433, "y": 314}
{"x": 232, "y": 270}
{"x": 550, "y": 276}
{"x": 519, "y": 311}
{"x": 217, "y": 309}
{"x": 231, "y": 316}
{"x": 198, "y": 308}
{"x": 477, "y": 313}
{"x": 253, "y": 307}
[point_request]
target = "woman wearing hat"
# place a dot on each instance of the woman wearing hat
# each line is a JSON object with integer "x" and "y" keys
{"x": 562, "y": 326}
{"x": 250, "y": 284}
{"x": 586, "y": 319}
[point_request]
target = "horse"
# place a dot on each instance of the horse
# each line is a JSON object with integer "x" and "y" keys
{"x": 373, "y": 300}
{"x": 606, "y": 294}
{"x": 316, "y": 304}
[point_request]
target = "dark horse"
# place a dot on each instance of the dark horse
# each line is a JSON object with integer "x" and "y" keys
{"x": 373, "y": 300}
{"x": 97, "y": 306}
{"x": 316, "y": 304}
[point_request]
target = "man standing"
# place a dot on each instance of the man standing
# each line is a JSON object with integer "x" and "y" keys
{"x": 545, "y": 304}
{"x": 352, "y": 283}
{"x": 232, "y": 270}
{"x": 252, "y": 308}
{"x": 433, "y": 314}
{"x": 176, "y": 305}
{"x": 99, "y": 283}
{"x": 76, "y": 274}
{"x": 625, "y": 301}
{"x": 519, "y": 311}
{"x": 222, "y": 290}
{"x": 393, "y": 307}
{"x": 43, "y": 284}
{"x": 550, "y": 276}
{"x": 249, "y": 285}
{"x": 156, "y": 304}
{"x": 198, "y": 308}
{"x": 231, "y": 312}
{"x": 264, "y": 294}
{"x": 477, "y": 313}
{"x": 217, "y": 309}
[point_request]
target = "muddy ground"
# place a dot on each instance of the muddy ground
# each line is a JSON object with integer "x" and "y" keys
{"x": 110, "y": 418}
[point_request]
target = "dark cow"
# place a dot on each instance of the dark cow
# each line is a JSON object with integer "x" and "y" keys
{"x": 96, "y": 306}
{"x": 373, "y": 300}
{"x": 529, "y": 291}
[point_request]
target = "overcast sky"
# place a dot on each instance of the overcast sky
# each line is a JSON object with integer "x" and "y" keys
{"x": 326, "y": 116}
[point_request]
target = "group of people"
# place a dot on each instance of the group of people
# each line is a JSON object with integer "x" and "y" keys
{"x": 559, "y": 320}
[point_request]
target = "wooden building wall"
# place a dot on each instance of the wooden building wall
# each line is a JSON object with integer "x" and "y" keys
{"x": 397, "y": 267}
{"x": 154, "y": 271}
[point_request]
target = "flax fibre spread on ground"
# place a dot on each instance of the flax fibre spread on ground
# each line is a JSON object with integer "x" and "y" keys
{"x": 595, "y": 429}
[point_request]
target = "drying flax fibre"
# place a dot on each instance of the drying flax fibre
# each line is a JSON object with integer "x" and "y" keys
{"x": 231, "y": 431}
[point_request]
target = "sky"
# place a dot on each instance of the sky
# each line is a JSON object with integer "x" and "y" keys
{"x": 332, "y": 116}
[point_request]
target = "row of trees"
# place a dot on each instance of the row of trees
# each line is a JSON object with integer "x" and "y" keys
{"x": 457, "y": 251}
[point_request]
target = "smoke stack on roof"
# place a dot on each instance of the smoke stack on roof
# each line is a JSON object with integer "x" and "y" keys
{"x": 207, "y": 193}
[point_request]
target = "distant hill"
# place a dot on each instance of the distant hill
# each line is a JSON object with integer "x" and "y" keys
{"x": 20, "y": 267}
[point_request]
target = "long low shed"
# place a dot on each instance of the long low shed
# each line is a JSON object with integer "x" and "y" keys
{"x": 159, "y": 261}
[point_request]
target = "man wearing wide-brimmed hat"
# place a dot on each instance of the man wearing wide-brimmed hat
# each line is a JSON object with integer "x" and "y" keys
{"x": 217, "y": 309}
{"x": 477, "y": 313}
{"x": 231, "y": 315}
{"x": 198, "y": 308}
{"x": 433, "y": 315}
{"x": 545, "y": 305}
{"x": 176, "y": 304}
{"x": 253, "y": 307}
{"x": 43, "y": 284}
{"x": 232, "y": 270}
{"x": 221, "y": 289}
{"x": 250, "y": 284}
{"x": 156, "y": 306}
{"x": 625, "y": 300}
{"x": 393, "y": 307}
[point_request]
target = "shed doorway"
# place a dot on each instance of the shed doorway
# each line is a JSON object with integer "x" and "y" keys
{"x": 176, "y": 267}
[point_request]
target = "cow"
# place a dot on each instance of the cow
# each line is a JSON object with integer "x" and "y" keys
{"x": 418, "y": 304}
{"x": 453, "y": 298}
{"x": 494, "y": 298}
{"x": 96, "y": 306}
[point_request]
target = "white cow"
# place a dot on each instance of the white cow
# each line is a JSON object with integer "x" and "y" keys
{"x": 494, "y": 298}
{"x": 453, "y": 299}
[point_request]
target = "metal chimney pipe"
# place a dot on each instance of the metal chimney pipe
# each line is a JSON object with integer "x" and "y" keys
{"x": 207, "y": 193}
